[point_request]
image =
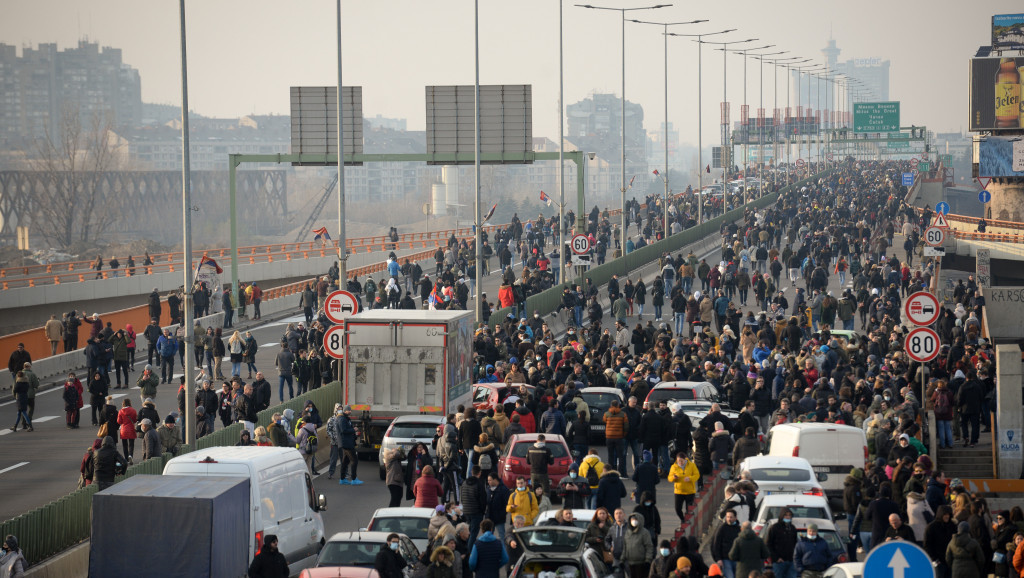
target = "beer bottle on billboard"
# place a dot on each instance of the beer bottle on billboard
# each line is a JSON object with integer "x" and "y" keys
{"x": 1007, "y": 97}
{"x": 1020, "y": 76}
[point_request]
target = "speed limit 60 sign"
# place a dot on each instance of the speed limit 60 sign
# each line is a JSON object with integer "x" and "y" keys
{"x": 922, "y": 344}
{"x": 934, "y": 236}
{"x": 580, "y": 244}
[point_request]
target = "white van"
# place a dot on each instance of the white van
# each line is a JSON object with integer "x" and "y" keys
{"x": 282, "y": 497}
{"x": 831, "y": 449}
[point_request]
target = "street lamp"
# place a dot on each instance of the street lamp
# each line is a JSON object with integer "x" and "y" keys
{"x": 746, "y": 132}
{"x": 775, "y": 104}
{"x": 725, "y": 102}
{"x": 665, "y": 25}
{"x": 186, "y": 206}
{"x": 700, "y": 124}
{"x": 799, "y": 94}
{"x": 789, "y": 146}
{"x": 622, "y": 108}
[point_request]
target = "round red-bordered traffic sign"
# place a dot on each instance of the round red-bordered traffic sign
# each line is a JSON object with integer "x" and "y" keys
{"x": 934, "y": 236}
{"x": 922, "y": 344}
{"x": 340, "y": 305}
{"x": 334, "y": 341}
{"x": 580, "y": 244}
{"x": 921, "y": 308}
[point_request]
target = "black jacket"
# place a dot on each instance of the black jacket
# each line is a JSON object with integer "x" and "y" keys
{"x": 781, "y": 541}
{"x": 389, "y": 564}
{"x": 469, "y": 433}
{"x": 474, "y": 497}
{"x": 105, "y": 463}
{"x": 268, "y": 564}
{"x": 722, "y": 541}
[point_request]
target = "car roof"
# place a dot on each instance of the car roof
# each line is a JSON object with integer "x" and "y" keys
{"x": 680, "y": 384}
{"x": 794, "y": 500}
{"x": 339, "y": 572}
{"x": 823, "y": 524}
{"x": 614, "y": 390}
{"x": 532, "y": 437}
{"x": 418, "y": 418}
{"x": 781, "y": 461}
{"x": 403, "y": 512}
{"x": 577, "y": 513}
{"x": 811, "y": 426}
{"x": 497, "y": 384}
{"x": 261, "y": 457}
{"x": 364, "y": 536}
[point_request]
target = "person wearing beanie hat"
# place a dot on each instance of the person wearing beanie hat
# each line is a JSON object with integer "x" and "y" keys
{"x": 964, "y": 555}
{"x": 647, "y": 478}
{"x": 683, "y": 566}
{"x": 170, "y": 438}
{"x": 714, "y": 570}
{"x": 270, "y": 562}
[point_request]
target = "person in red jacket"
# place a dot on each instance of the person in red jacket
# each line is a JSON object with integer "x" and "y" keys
{"x": 428, "y": 490}
{"x": 506, "y": 298}
{"x": 526, "y": 418}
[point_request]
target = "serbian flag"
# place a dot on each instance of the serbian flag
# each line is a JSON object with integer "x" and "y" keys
{"x": 206, "y": 260}
{"x": 434, "y": 299}
{"x": 708, "y": 169}
{"x": 545, "y": 198}
{"x": 631, "y": 181}
{"x": 490, "y": 213}
{"x": 321, "y": 234}
{"x": 656, "y": 173}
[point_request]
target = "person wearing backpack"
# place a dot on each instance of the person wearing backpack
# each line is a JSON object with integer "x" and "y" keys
{"x": 591, "y": 468}
{"x": 942, "y": 401}
{"x": 307, "y": 442}
{"x": 485, "y": 456}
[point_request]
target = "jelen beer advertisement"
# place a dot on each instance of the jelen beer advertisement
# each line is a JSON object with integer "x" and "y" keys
{"x": 996, "y": 94}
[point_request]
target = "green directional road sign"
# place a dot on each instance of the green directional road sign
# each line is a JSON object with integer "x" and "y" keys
{"x": 946, "y": 159}
{"x": 924, "y": 167}
{"x": 876, "y": 116}
{"x": 898, "y": 136}
{"x": 898, "y": 144}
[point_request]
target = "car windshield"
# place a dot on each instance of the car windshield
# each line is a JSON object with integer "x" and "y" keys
{"x": 413, "y": 430}
{"x": 551, "y": 539}
{"x": 349, "y": 554}
{"x": 780, "y": 475}
{"x": 414, "y": 527}
{"x": 772, "y": 513}
{"x": 830, "y": 537}
{"x": 600, "y": 399}
{"x": 520, "y": 449}
{"x": 669, "y": 394}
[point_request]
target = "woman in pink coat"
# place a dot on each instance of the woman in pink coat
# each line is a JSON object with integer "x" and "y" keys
{"x": 127, "y": 418}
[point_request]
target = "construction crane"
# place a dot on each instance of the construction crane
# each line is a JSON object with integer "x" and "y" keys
{"x": 313, "y": 216}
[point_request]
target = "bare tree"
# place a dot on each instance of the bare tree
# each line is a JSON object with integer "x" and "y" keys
{"x": 74, "y": 160}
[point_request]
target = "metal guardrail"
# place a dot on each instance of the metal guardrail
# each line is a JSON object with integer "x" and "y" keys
{"x": 63, "y": 523}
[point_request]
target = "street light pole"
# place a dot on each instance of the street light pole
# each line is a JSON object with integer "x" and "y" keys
{"x": 622, "y": 111}
{"x": 561, "y": 149}
{"x": 476, "y": 157}
{"x": 665, "y": 25}
{"x": 342, "y": 241}
{"x": 700, "y": 116}
{"x": 186, "y": 207}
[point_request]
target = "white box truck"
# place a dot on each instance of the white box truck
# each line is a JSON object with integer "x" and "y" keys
{"x": 401, "y": 362}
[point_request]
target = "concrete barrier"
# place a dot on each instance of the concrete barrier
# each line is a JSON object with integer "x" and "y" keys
{"x": 71, "y": 563}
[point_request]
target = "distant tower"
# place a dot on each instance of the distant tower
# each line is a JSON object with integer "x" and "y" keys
{"x": 831, "y": 54}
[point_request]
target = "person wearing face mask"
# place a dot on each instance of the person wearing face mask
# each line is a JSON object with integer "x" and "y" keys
{"x": 659, "y": 566}
{"x": 781, "y": 542}
{"x": 637, "y": 546}
{"x": 523, "y": 502}
{"x": 812, "y": 554}
{"x": 388, "y": 562}
{"x": 651, "y": 517}
{"x": 12, "y": 560}
{"x": 573, "y": 489}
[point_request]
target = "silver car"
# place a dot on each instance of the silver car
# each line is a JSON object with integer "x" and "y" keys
{"x": 407, "y": 431}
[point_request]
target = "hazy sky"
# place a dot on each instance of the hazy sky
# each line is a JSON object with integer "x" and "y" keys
{"x": 244, "y": 54}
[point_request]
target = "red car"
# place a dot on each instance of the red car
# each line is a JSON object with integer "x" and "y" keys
{"x": 512, "y": 462}
{"x": 489, "y": 395}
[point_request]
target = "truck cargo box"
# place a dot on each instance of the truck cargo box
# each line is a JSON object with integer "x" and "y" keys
{"x": 171, "y": 526}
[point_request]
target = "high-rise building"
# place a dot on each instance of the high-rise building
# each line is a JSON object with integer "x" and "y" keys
{"x": 38, "y": 86}
{"x": 595, "y": 125}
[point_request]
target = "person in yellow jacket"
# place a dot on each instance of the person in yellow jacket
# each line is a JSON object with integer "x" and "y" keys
{"x": 523, "y": 502}
{"x": 591, "y": 469}
{"x": 683, "y": 475}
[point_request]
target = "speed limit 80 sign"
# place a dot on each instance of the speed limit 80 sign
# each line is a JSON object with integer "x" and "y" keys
{"x": 922, "y": 344}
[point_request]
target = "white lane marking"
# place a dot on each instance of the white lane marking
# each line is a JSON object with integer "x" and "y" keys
{"x": 7, "y": 431}
{"x": 12, "y": 402}
{"x": 14, "y": 467}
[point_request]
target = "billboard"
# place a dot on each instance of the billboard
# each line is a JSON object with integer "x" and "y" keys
{"x": 314, "y": 114}
{"x": 1000, "y": 157}
{"x": 876, "y": 116}
{"x": 506, "y": 120}
{"x": 995, "y": 93}
{"x": 1008, "y": 31}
